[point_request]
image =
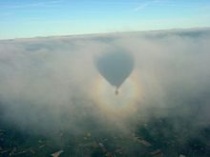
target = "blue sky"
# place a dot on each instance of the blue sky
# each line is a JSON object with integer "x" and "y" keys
{"x": 31, "y": 18}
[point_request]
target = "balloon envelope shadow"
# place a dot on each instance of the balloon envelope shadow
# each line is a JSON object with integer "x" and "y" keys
{"x": 115, "y": 67}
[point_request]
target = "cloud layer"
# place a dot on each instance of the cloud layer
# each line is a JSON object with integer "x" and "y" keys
{"x": 47, "y": 84}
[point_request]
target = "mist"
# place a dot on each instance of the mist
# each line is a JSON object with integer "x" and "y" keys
{"x": 49, "y": 84}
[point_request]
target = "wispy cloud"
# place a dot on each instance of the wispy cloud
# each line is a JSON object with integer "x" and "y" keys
{"x": 168, "y": 3}
{"x": 145, "y": 5}
{"x": 35, "y": 4}
{"x": 6, "y": 14}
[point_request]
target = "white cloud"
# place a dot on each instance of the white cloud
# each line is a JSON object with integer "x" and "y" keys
{"x": 46, "y": 83}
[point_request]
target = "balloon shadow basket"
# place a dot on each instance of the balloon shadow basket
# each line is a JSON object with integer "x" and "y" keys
{"x": 116, "y": 91}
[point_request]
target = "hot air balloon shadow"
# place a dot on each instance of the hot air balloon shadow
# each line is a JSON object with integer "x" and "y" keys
{"x": 115, "y": 67}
